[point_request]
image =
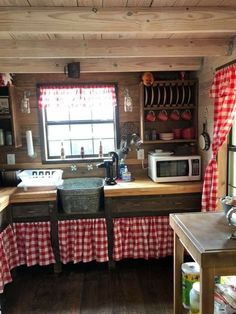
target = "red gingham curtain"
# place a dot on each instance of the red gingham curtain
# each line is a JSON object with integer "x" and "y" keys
{"x": 34, "y": 243}
{"x": 142, "y": 237}
{"x": 223, "y": 91}
{"x": 83, "y": 240}
{"x": 77, "y": 95}
{"x": 8, "y": 256}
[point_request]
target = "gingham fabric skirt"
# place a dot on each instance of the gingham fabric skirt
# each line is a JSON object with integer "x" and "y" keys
{"x": 83, "y": 240}
{"x": 142, "y": 237}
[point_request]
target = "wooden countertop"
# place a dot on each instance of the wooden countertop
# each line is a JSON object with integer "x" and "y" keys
{"x": 142, "y": 186}
{"x": 145, "y": 186}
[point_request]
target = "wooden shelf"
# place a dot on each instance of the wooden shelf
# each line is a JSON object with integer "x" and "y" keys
{"x": 169, "y": 107}
{"x": 170, "y": 141}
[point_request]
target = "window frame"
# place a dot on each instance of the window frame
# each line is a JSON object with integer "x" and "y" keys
{"x": 43, "y": 132}
{"x": 230, "y": 148}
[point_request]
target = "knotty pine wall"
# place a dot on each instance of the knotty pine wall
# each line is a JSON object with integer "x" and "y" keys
{"x": 28, "y": 82}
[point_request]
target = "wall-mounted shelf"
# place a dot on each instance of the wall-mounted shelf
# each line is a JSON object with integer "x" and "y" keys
{"x": 8, "y": 121}
{"x": 170, "y": 96}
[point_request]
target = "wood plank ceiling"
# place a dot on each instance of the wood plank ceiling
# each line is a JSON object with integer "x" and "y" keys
{"x": 42, "y": 36}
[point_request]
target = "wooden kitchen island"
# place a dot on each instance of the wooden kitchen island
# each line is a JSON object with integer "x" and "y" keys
{"x": 206, "y": 236}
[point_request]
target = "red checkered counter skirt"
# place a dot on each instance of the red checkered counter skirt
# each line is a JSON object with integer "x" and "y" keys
{"x": 8, "y": 256}
{"x": 142, "y": 237}
{"x": 83, "y": 240}
{"x": 34, "y": 243}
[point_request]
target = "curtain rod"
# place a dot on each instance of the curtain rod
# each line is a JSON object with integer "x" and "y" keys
{"x": 225, "y": 65}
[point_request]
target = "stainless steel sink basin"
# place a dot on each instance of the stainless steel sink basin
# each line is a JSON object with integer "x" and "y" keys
{"x": 81, "y": 195}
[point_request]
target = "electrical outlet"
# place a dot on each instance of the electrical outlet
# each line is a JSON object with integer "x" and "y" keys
{"x": 140, "y": 154}
{"x": 11, "y": 159}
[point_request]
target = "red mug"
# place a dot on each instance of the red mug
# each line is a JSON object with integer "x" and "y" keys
{"x": 188, "y": 133}
{"x": 177, "y": 133}
{"x": 186, "y": 115}
{"x": 163, "y": 116}
{"x": 175, "y": 116}
{"x": 151, "y": 116}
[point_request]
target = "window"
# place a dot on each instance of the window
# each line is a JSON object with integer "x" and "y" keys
{"x": 78, "y": 117}
{"x": 231, "y": 188}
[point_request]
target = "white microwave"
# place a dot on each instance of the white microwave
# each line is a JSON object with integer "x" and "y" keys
{"x": 174, "y": 168}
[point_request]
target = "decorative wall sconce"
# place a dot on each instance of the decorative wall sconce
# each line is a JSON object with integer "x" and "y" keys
{"x": 25, "y": 103}
{"x": 128, "y": 103}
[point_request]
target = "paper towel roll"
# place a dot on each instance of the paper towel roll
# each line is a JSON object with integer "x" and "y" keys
{"x": 30, "y": 145}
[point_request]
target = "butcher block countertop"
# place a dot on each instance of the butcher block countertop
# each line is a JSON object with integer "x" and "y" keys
{"x": 138, "y": 187}
{"x": 146, "y": 186}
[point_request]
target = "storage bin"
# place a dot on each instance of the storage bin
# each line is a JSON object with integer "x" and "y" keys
{"x": 81, "y": 194}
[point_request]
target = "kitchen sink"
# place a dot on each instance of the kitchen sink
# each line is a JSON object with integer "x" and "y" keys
{"x": 81, "y": 195}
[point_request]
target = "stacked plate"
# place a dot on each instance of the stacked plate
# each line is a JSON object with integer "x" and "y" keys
{"x": 166, "y": 136}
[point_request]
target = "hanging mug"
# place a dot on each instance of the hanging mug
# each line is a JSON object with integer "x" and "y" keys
{"x": 163, "y": 116}
{"x": 175, "y": 116}
{"x": 186, "y": 115}
{"x": 151, "y": 117}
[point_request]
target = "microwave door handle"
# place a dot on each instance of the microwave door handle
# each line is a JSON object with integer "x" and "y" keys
{"x": 190, "y": 167}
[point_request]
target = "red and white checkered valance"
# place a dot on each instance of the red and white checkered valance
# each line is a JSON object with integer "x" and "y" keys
{"x": 223, "y": 91}
{"x": 34, "y": 243}
{"x": 61, "y": 96}
{"x": 83, "y": 240}
{"x": 142, "y": 237}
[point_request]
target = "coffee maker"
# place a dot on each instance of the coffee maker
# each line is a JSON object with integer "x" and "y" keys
{"x": 108, "y": 164}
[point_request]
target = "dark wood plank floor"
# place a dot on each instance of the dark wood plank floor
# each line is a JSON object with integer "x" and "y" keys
{"x": 133, "y": 287}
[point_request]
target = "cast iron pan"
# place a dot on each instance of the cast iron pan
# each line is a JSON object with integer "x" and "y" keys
{"x": 204, "y": 139}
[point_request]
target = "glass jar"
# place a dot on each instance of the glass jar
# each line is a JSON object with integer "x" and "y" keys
{"x": 2, "y": 141}
{"x": 8, "y": 138}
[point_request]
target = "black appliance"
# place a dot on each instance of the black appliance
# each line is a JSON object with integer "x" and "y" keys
{"x": 108, "y": 164}
{"x": 9, "y": 177}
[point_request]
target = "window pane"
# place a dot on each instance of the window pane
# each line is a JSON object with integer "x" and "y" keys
{"x": 107, "y": 146}
{"x": 82, "y": 131}
{"x": 86, "y": 144}
{"x": 55, "y": 148}
{"x": 103, "y": 130}
{"x": 58, "y": 132}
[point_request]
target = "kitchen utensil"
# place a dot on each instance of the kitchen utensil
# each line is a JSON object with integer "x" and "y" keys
{"x": 158, "y": 95}
{"x": 151, "y": 117}
{"x": 146, "y": 96}
{"x": 204, "y": 139}
{"x": 231, "y": 216}
{"x": 188, "y": 133}
{"x": 175, "y": 116}
{"x": 152, "y": 97}
{"x": 163, "y": 116}
{"x": 177, "y": 133}
{"x": 166, "y": 136}
{"x": 189, "y": 95}
{"x": 164, "y": 98}
{"x": 186, "y": 115}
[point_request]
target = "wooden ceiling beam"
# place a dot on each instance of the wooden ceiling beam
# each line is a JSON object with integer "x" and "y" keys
{"x": 113, "y": 48}
{"x": 117, "y": 20}
{"x": 100, "y": 65}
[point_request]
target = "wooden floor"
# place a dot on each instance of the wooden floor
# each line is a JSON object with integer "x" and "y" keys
{"x": 133, "y": 287}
